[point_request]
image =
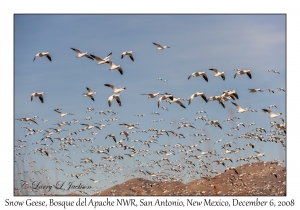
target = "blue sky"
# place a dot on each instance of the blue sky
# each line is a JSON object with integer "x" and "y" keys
{"x": 197, "y": 43}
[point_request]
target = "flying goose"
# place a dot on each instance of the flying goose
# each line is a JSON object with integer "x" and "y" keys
{"x": 176, "y": 100}
{"x": 151, "y": 95}
{"x": 231, "y": 93}
{"x": 81, "y": 54}
{"x": 112, "y": 136}
{"x": 272, "y": 115}
{"x": 223, "y": 99}
{"x": 42, "y": 151}
{"x": 270, "y": 90}
{"x": 126, "y": 134}
{"x": 116, "y": 90}
{"x": 87, "y": 126}
{"x": 215, "y": 123}
{"x": 240, "y": 109}
{"x": 202, "y": 94}
{"x": 240, "y": 72}
{"x": 129, "y": 126}
{"x": 164, "y": 97}
{"x": 160, "y": 47}
{"x": 62, "y": 114}
{"x": 90, "y": 93}
{"x": 218, "y": 74}
{"x": 274, "y": 71}
{"x": 253, "y": 90}
{"x": 115, "y": 67}
{"x": 27, "y": 119}
{"x": 100, "y": 60}
{"x": 259, "y": 154}
{"x": 251, "y": 145}
{"x": 95, "y": 181}
{"x": 129, "y": 53}
{"x": 199, "y": 73}
{"x": 114, "y": 96}
{"x": 38, "y": 94}
{"x": 41, "y": 54}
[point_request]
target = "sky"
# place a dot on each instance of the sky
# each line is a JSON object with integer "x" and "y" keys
{"x": 197, "y": 43}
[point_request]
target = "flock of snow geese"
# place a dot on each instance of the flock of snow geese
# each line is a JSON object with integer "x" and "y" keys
{"x": 111, "y": 161}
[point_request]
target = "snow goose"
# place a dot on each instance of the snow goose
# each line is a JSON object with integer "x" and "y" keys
{"x": 218, "y": 74}
{"x": 253, "y": 90}
{"x": 240, "y": 109}
{"x": 129, "y": 126}
{"x": 214, "y": 98}
{"x": 160, "y": 47}
{"x": 202, "y": 94}
{"x": 199, "y": 73}
{"x": 114, "y": 96}
{"x": 129, "y": 53}
{"x": 115, "y": 67}
{"x": 62, "y": 114}
{"x": 272, "y": 105}
{"x": 231, "y": 93}
{"x": 112, "y": 136}
{"x": 215, "y": 123}
{"x": 100, "y": 60}
{"x": 90, "y": 93}
{"x": 251, "y": 145}
{"x": 38, "y": 94}
{"x": 27, "y": 119}
{"x": 272, "y": 115}
{"x": 81, "y": 54}
{"x": 223, "y": 99}
{"x": 126, "y": 134}
{"x": 41, "y": 54}
{"x": 116, "y": 90}
{"x": 240, "y": 72}
{"x": 274, "y": 71}
{"x": 151, "y": 95}
{"x": 87, "y": 126}
{"x": 42, "y": 151}
{"x": 176, "y": 100}
{"x": 164, "y": 97}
